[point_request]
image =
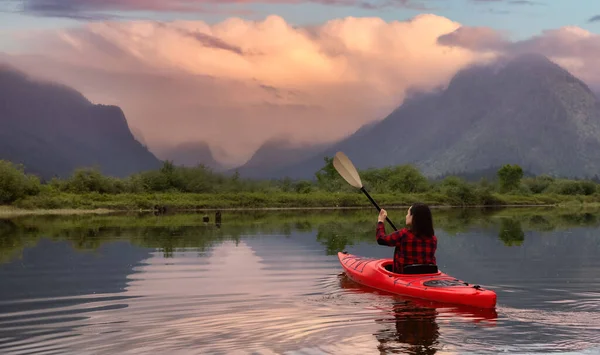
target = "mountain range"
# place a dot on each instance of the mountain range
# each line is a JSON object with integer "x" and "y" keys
{"x": 52, "y": 129}
{"x": 522, "y": 110}
{"x": 190, "y": 154}
{"x": 279, "y": 154}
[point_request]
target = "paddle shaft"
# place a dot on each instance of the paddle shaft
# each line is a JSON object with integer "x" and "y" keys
{"x": 377, "y": 206}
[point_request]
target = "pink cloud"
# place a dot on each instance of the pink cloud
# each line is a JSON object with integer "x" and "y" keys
{"x": 478, "y": 38}
{"x": 238, "y": 83}
{"x": 571, "y": 47}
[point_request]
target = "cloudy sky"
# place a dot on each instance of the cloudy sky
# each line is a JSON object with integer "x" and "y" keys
{"x": 235, "y": 73}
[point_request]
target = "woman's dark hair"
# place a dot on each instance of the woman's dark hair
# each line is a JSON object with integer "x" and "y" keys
{"x": 422, "y": 222}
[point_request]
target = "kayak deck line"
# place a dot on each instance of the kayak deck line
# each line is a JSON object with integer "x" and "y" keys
{"x": 360, "y": 262}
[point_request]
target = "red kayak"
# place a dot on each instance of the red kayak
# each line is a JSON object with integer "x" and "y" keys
{"x": 435, "y": 287}
{"x": 406, "y": 304}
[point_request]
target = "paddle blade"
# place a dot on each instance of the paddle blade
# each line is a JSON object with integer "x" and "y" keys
{"x": 346, "y": 169}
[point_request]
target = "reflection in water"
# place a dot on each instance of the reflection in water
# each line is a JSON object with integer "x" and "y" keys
{"x": 414, "y": 330}
{"x": 268, "y": 283}
{"x": 511, "y": 232}
{"x": 336, "y": 230}
{"x": 406, "y": 327}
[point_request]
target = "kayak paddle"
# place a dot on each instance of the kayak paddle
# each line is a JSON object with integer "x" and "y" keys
{"x": 346, "y": 169}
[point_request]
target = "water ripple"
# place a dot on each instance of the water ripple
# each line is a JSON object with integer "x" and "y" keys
{"x": 274, "y": 296}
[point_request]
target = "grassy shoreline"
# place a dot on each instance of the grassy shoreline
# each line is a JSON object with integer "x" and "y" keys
{"x": 96, "y": 203}
{"x": 9, "y": 211}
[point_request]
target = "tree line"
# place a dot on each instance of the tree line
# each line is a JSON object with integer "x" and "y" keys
{"x": 16, "y": 184}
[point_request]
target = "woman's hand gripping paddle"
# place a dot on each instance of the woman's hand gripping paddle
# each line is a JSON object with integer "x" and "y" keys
{"x": 346, "y": 169}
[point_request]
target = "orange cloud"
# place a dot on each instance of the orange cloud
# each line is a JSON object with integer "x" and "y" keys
{"x": 238, "y": 83}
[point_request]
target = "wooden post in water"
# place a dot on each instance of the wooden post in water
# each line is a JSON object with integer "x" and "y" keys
{"x": 218, "y": 219}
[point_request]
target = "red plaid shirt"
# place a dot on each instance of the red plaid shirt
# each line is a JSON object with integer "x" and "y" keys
{"x": 409, "y": 248}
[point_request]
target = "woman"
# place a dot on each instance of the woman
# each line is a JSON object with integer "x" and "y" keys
{"x": 414, "y": 245}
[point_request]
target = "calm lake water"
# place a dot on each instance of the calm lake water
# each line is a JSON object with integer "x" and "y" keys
{"x": 271, "y": 283}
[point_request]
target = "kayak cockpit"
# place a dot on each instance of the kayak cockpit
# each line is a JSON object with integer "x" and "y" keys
{"x": 418, "y": 269}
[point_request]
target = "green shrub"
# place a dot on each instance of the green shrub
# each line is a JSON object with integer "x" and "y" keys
{"x": 573, "y": 187}
{"x": 458, "y": 191}
{"x": 15, "y": 184}
{"x": 539, "y": 184}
